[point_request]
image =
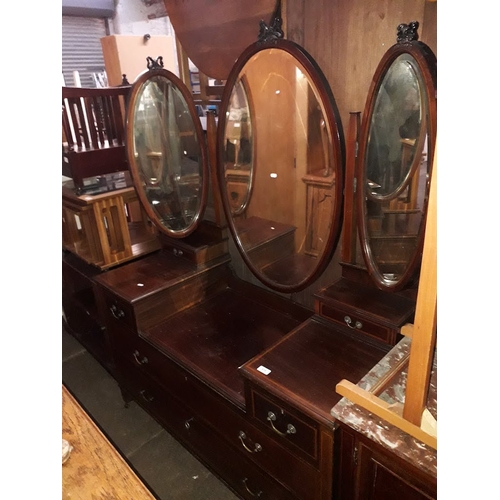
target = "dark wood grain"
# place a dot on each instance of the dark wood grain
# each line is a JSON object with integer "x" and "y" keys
{"x": 82, "y": 318}
{"x": 307, "y": 364}
{"x": 216, "y": 337}
{"x": 384, "y": 307}
{"x": 366, "y": 470}
{"x": 213, "y": 34}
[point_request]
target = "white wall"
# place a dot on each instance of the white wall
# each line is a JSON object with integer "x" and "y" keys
{"x": 134, "y": 17}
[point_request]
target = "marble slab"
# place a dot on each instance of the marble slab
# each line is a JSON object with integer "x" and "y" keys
{"x": 379, "y": 430}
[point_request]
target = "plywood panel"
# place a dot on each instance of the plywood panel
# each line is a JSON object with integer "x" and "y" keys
{"x": 348, "y": 39}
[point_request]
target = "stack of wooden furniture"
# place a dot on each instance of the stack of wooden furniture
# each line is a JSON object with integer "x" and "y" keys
{"x": 103, "y": 224}
{"x": 93, "y": 132}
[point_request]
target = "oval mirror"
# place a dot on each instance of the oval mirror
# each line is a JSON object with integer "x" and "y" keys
{"x": 395, "y": 159}
{"x": 281, "y": 164}
{"x": 166, "y": 152}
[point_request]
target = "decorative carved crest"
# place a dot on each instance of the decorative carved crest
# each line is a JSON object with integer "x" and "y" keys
{"x": 152, "y": 64}
{"x": 270, "y": 33}
{"x": 408, "y": 32}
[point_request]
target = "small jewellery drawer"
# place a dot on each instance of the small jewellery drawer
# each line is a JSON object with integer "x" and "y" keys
{"x": 377, "y": 331}
{"x": 296, "y": 429}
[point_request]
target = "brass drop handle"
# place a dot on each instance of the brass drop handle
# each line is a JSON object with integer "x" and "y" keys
{"x": 116, "y": 312}
{"x": 187, "y": 423}
{"x": 249, "y": 490}
{"x": 146, "y": 397}
{"x": 138, "y": 359}
{"x": 290, "y": 429}
{"x": 257, "y": 446}
{"x": 348, "y": 322}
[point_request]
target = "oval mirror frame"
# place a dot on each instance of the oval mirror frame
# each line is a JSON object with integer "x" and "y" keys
{"x": 197, "y": 132}
{"x": 424, "y": 62}
{"x": 335, "y": 162}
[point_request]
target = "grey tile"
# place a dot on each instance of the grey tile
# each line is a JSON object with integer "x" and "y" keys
{"x": 174, "y": 474}
{"x": 164, "y": 464}
{"x": 99, "y": 393}
{"x": 70, "y": 346}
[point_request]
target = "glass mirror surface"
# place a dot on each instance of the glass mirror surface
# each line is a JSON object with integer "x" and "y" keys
{"x": 396, "y": 170}
{"x": 166, "y": 153}
{"x": 239, "y": 149}
{"x": 395, "y": 129}
{"x": 281, "y": 165}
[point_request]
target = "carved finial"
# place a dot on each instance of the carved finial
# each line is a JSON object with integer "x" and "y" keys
{"x": 124, "y": 80}
{"x": 152, "y": 64}
{"x": 408, "y": 32}
{"x": 270, "y": 33}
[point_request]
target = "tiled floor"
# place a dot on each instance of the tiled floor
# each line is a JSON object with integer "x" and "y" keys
{"x": 170, "y": 471}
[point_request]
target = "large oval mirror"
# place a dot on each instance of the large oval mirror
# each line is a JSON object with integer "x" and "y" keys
{"x": 280, "y": 164}
{"x": 166, "y": 152}
{"x": 396, "y": 152}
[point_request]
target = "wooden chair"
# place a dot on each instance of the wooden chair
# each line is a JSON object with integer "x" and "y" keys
{"x": 93, "y": 127}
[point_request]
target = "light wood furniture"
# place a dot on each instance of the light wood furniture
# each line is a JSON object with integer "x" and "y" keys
{"x": 94, "y": 468}
{"x": 106, "y": 229}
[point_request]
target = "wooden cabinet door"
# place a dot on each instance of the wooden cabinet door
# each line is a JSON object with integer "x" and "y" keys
{"x": 365, "y": 471}
{"x": 381, "y": 478}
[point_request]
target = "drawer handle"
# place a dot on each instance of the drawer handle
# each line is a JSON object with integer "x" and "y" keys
{"x": 257, "y": 446}
{"x": 187, "y": 423}
{"x": 249, "y": 490}
{"x": 348, "y": 322}
{"x": 140, "y": 361}
{"x": 146, "y": 397}
{"x": 290, "y": 429}
{"x": 116, "y": 312}
{"x": 178, "y": 252}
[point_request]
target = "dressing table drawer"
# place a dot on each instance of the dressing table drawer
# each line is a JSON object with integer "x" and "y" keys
{"x": 358, "y": 324}
{"x": 301, "y": 478}
{"x": 118, "y": 312}
{"x": 288, "y": 427}
{"x": 135, "y": 351}
{"x": 225, "y": 438}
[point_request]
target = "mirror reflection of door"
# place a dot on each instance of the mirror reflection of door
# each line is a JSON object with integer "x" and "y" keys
{"x": 239, "y": 166}
{"x": 284, "y": 227}
{"x": 165, "y": 152}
